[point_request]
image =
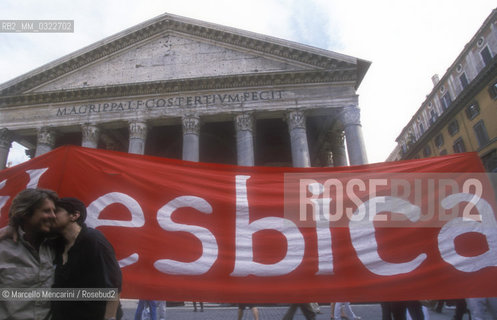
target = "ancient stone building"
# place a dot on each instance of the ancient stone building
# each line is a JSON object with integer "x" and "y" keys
{"x": 182, "y": 88}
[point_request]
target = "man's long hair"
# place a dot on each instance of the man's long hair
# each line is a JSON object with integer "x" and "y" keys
{"x": 26, "y": 202}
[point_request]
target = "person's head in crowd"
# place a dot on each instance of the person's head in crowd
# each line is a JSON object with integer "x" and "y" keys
{"x": 68, "y": 211}
{"x": 34, "y": 211}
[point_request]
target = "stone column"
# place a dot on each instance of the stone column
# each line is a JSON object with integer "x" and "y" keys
{"x": 191, "y": 135}
{"x": 137, "y": 137}
{"x": 6, "y": 138}
{"x": 91, "y": 134}
{"x": 244, "y": 124}
{"x": 46, "y": 141}
{"x": 338, "y": 149}
{"x": 298, "y": 139}
{"x": 351, "y": 119}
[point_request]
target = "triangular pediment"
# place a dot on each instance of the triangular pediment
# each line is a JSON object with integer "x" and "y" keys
{"x": 172, "y": 48}
{"x": 169, "y": 57}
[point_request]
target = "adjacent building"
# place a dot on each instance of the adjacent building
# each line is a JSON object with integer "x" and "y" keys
{"x": 181, "y": 88}
{"x": 460, "y": 113}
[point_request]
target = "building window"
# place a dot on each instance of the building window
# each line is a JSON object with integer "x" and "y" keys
{"x": 445, "y": 101}
{"x": 421, "y": 129}
{"x": 472, "y": 110}
{"x": 433, "y": 117}
{"x": 480, "y": 42}
{"x": 493, "y": 90}
{"x": 439, "y": 140}
{"x": 490, "y": 162}
{"x": 453, "y": 127}
{"x": 486, "y": 56}
{"x": 426, "y": 151}
{"x": 464, "y": 80}
{"x": 481, "y": 133}
{"x": 459, "y": 146}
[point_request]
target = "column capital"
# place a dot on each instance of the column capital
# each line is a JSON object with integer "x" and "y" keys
{"x": 351, "y": 115}
{"x": 191, "y": 124}
{"x": 244, "y": 122}
{"x": 295, "y": 119}
{"x": 91, "y": 133}
{"x": 46, "y": 136}
{"x": 138, "y": 129}
{"x": 6, "y": 138}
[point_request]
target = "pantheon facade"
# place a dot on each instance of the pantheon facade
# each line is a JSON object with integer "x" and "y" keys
{"x": 181, "y": 88}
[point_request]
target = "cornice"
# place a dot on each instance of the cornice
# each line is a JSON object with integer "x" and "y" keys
{"x": 181, "y": 85}
{"x": 471, "y": 45}
{"x": 170, "y": 24}
{"x": 463, "y": 99}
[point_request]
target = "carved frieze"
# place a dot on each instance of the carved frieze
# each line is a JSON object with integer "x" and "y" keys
{"x": 168, "y": 86}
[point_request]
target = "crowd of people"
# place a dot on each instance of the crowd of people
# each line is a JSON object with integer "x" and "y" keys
{"x": 48, "y": 245}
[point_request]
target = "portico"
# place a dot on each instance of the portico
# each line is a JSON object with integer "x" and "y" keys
{"x": 196, "y": 91}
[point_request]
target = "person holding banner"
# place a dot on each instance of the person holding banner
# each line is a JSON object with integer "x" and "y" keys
{"x": 344, "y": 307}
{"x": 241, "y": 308}
{"x": 28, "y": 262}
{"x": 396, "y": 310}
{"x": 482, "y": 308}
{"x": 142, "y": 305}
{"x": 306, "y": 310}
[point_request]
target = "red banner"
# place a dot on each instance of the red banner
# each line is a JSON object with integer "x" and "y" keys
{"x": 184, "y": 231}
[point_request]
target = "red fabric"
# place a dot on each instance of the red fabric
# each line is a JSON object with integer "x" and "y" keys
{"x": 151, "y": 184}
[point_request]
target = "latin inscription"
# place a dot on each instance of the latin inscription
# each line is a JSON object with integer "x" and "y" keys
{"x": 172, "y": 102}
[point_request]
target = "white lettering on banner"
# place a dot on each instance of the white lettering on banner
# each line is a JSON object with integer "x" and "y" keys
{"x": 133, "y": 258}
{"x": 320, "y": 208}
{"x": 97, "y": 206}
{"x": 3, "y": 199}
{"x": 362, "y": 234}
{"x": 361, "y": 227}
{"x": 244, "y": 259}
{"x": 208, "y": 240}
{"x": 137, "y": 217}
{"x": 34, "y": 177}
{"x": 458, "y": 226}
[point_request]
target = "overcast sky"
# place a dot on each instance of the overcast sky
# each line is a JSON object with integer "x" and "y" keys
{"x": 406, "y": 41}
